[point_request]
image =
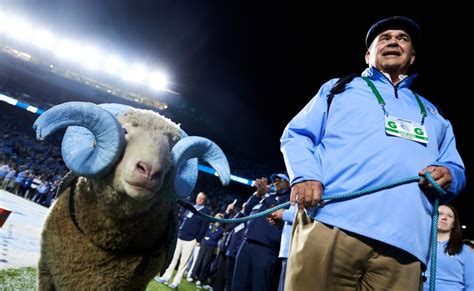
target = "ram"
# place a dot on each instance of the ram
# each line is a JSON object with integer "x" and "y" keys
{"x": 114, "y": 225}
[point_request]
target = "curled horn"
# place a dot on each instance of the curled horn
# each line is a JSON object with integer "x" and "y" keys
{"x": 94, "y": 140}
{"x": 184, "y": 171}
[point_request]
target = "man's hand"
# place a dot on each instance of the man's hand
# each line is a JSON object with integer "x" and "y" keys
{"x": 441, "y": 175}
{"x": 262, "y": 186}
{"x": 230, "y": 207}
{"x": 276, "y": 217}
{"x": 306, "y": 194}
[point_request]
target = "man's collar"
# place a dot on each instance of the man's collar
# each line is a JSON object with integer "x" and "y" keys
{"x": 375, "y": 74}
{"x": 199, "y": 207}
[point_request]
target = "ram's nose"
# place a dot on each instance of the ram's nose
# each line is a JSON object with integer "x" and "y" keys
{"x": 144, "y": 168}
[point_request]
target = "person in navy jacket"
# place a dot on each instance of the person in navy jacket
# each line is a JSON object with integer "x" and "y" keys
{"x": 256, "y": 263}
{"x": 208, "y": 247}
{"x": 191, "y": 232}
{"x": 232, "y": 245}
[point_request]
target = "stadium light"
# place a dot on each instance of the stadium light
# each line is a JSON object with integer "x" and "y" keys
{"x": 158, "y": 81}
{"x": 114, "y": 65}
{"x": 3, "y": 22}
{"x": 68, "y": 50}
{"x": 90, "y": 58}
{"x": 44, "y": 40}
{"x": 136, "y": 73}
{"x": 19, "y": 29}
{"x": 75, "y": 51}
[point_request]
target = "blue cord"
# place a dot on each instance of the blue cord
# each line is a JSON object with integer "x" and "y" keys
{"x": 325, "y": 198}
{"x": 350, "y": 195}
{"x": 434, "y": 230}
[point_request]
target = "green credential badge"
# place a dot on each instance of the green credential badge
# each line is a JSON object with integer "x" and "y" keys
{"x": 405, "y": 129}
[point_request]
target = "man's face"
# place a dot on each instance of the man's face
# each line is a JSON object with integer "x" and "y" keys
{"x": 281, "y": 184}
{"x": 391, "y": 52}
{"x": 201, "y": 198}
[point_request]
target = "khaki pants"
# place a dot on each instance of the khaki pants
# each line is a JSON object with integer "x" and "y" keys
{"x": 326, "y": 258}
{"x": 182, "y": 252}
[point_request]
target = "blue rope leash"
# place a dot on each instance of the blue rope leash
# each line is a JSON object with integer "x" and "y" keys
{"x": 325, "y": 198}
{"x": 350, "y": 195}
{"x": 434, "y": 230}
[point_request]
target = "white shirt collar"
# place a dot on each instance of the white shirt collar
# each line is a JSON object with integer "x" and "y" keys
{"x": 400, "y": 77}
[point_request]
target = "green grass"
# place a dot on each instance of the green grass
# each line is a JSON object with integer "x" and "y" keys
{"x": 183, "y": 286}
{"x": 18, "y": 279}
{"x": 25, "y": 279}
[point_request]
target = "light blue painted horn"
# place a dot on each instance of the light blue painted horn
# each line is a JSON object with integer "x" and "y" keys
{"x": 196, "y": 147}
{"x": 93, "y": 142}
{"x": 116, "y": 109}
{"x": 188, "y": 170}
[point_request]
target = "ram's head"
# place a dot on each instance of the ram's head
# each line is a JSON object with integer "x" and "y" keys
{"x": 137, "y": 153}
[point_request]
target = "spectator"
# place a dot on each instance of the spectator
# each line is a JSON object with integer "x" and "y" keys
{"x": 454, "y": 261}
{"x": 191, "y": 232}
{"x": 206, "y": 253}
{"x": 256, "y": 264}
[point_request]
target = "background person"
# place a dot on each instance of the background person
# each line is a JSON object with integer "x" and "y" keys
{"x": 454, "y": 260}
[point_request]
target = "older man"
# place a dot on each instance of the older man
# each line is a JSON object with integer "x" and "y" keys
{"x": 376, "y": 131}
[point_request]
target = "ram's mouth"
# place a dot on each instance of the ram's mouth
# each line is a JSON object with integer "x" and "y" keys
{"x": 139, "y": 185}
{"x": 138, "y": 190}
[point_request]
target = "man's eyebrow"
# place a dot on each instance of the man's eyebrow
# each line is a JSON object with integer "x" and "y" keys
{"x": 396, "y": 34}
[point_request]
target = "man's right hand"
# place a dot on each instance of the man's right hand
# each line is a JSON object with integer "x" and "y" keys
{"x": 306, "y": 194}
{"x": 262, "y": 186}
{"x": 230, "y": 207}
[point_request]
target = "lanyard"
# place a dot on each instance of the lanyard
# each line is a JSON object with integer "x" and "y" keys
{"x": 382, "y": 101}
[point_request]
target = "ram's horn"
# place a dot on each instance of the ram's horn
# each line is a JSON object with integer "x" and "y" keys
{"x": 196, "y": 147}
{"x": 93, "y": 142}
{"x": 116, "y": 109}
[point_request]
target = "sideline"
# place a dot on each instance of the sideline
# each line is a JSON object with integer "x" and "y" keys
{"x": 20, "y": 235}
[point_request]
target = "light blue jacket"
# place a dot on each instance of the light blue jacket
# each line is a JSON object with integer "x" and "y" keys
{"x": 349, "y": 150}
{"x": 453, "y": 273}
{"x": 288, "y": 218}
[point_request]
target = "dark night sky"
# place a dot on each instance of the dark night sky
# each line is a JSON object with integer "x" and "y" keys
{"x": 251, "y": 67}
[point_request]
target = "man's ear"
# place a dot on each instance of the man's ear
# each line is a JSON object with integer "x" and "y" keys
{"x": 367, "y": 55}
{"x": 413, "y": 57}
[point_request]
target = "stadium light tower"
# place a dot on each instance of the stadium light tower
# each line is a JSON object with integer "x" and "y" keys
{"x": 75, "y": 51}
{"x": 44, "y": 40}
{"x": 90, "y": 58}
{"x": 68, "y": 50}
{"x": 158, "y": 81}
{"x": 114, "y": 65}
{"x": 19, "y": 29}
{"x": 136, "y": 73}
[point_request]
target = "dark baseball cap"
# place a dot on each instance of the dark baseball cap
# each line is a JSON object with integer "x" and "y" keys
{"x": 395, "y": 22}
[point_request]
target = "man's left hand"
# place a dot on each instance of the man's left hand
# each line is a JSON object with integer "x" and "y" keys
{"x": 441, "y": 175}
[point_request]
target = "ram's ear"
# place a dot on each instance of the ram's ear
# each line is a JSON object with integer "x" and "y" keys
{"x": 93, "y": 141}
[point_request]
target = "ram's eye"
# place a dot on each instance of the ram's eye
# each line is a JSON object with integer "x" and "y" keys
{"x": 125, "y": 131}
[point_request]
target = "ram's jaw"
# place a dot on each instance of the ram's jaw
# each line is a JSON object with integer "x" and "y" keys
{"x": 116, "y": 202}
